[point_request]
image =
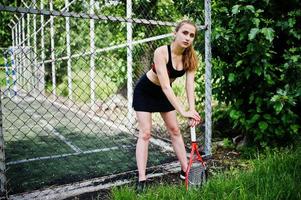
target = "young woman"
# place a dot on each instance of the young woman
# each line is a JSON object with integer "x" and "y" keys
{"x": 153, "y": 93}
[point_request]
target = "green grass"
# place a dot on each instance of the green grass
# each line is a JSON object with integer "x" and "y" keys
{"x": 275, "y": 176}
{"x": 2, "y": 78}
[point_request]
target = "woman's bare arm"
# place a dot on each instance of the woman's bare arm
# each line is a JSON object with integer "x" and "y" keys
{"x": 191, "y": 96}
{"x": 160, "y": 63}
{"x": 190, "y": 89}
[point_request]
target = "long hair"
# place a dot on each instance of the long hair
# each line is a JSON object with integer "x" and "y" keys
{"x": 189, "y": 59}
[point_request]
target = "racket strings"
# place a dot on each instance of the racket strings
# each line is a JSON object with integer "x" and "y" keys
{"x": 197, "y": 174}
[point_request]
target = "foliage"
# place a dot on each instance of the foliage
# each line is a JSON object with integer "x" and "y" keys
{"x": 5, "y": 33}
{"x": 256, "y": 57}
{"x": 2, "y": 78}
{"x": 227, "y": 143}
{"x": 257, "y": 63}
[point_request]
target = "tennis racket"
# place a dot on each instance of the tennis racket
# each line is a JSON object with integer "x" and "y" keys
{"x": 196, "y": 173}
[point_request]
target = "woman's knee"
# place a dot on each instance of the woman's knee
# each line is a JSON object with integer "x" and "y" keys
{"x": 145, "y": 135}
{"x": 174, "y": 131}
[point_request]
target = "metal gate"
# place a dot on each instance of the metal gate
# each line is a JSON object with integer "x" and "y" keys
{"x": 66, "y": 117}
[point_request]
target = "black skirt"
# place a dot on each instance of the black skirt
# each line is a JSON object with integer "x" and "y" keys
{"x": 149, "y": 97}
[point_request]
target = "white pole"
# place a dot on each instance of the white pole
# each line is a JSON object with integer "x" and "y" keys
{"x": 13, "y": 54}
{"x": 42, "y": 66}
{"x": 35, "y": 68}
{"x": 52, "y": 51}
{"x": 7, "y": 77}
{"x": 13, "y": 46}
{"x": 92, "y": 58}
{"x": 31, "y": 58}
{"x": 29, "y": 86}
{"x": 22, "y": 72}
{"x": 13, "y": 66}
{"x": 18, "y": 50}
{"x": 23, "y": 29}
{"x": 62, "y": 10}
{"x": 208, "y": 92}
{"x": 130, "y": 113}
{"x": 13, "y": 35}
{"x": 19, "y": 31}
{"x": 69, "y": 67}
{"x": 27, "y": 60}
{"x": 28, "y": 30}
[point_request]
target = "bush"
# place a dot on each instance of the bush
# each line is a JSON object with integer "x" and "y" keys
{"x": 256, "y": 45}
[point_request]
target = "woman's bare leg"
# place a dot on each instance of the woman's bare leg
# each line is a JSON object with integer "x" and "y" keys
{"x": 144, "y": 125}
{"x": 172, "y": 126}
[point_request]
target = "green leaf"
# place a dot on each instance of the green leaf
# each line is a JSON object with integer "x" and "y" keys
{"x": 258, "y": 70}
{"x": 268, "y": 33}
{"x": 275, "y": 98}
{"x": 251, "y": 98}
{"x": 269, "y": 79}
{"x": 295, "y": 128}
{"x": 267, "y": 116}
{"x": 263, "y": 125}
{"x": 251, "y": 8}
{"x": 256, "y": 22}
{"x": 253, "y": 33}
{"x": 278, "y": 106}
{"x": 231, "y": 77}
{"x": 254, "y": 118}
{"x": 234, "y": 114}
{"x": 238, "y": 63}
{"x": 235, "y": 9}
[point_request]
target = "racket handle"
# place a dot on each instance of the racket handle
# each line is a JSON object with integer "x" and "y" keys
{"x": 192, "y": 132}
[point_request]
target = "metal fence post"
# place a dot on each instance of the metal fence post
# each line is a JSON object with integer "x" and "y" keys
{"x": 92, "y": 58}
{"x": 68, "y": 47}
{"x": 208, "y": 87}
{"x": 41, "y": 84}
{"x": 53, "y": 70}
{"x": 2, "y": 154}
{"x": 129, "y": 36}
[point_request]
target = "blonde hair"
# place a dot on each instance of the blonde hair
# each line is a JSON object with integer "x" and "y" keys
{"x": 189, "y": 59}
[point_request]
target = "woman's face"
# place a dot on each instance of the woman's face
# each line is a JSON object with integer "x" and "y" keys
{"x": 185, "y": 35}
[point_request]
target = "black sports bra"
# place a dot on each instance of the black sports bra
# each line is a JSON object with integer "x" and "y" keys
{"x": 172, "y": 72}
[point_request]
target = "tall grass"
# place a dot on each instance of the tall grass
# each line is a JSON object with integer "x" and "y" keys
{"x": 277, "y": 175}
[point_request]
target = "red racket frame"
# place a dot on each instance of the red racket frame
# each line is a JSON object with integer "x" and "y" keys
{"x": 197, "y": 158}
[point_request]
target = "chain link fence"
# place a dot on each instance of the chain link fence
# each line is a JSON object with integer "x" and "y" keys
{"x": 65, "y": 113}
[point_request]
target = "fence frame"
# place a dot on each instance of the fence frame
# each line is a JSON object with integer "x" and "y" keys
{"x": 19, "y": 39}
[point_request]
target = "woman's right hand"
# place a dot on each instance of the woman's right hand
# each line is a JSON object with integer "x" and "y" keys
{"x": 192, "y": 114}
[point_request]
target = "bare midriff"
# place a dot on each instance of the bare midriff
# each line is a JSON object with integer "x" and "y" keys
{"x": 154, "y": 78}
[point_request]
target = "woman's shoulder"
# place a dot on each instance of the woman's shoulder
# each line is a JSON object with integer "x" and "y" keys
{"x": 162, "y": 50}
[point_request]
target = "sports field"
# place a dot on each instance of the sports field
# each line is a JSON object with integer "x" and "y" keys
{"x": 48, "y": 144}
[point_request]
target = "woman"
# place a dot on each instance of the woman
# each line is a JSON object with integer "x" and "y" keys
{"x": 153, "y": 93}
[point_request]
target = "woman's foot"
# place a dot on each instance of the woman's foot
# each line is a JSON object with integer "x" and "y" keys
{"x": 141, "y": 186}
{"x": 182, "y": 175}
